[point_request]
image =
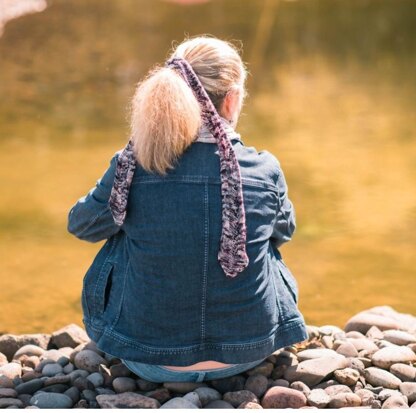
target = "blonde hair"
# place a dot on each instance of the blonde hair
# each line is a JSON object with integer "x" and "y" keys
{"x": 166, "y": 115}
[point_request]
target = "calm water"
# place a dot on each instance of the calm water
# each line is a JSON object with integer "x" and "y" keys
{"x": 331, "y": 93}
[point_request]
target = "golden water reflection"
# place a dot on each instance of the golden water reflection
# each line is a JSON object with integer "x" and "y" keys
{"x": 338, "y": 113}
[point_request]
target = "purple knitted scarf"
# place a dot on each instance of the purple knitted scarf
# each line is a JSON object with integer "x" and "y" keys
{"x": 232, "y": 254}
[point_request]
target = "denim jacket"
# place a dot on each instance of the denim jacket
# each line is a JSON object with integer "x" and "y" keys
{"x": 155, "y": 293}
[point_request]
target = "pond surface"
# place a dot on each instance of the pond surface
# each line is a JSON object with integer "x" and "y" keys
{"x": 332, "y": 94}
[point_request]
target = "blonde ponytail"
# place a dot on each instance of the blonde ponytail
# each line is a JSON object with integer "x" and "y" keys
{"x": 165, "y": 119}
{"x": 166, "y": 115}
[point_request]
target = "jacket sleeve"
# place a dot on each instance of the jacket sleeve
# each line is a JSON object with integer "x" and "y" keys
{"x": 285, "y": 223}
{"x": 90, "y": 218}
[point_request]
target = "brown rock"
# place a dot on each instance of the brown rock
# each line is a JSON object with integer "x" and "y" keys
{"x": 344, "y": 400}
{"x": 249, "y": 405}
{"x": 403, "y": 371}
{"x": 282, "y": 398}
{"x": 237, "y": 397}
{"x": 10, "y": 343}
{"x": 8, "y": 401}
{"x": 337, "y": 389}
{"x": 69, "y": 336}
{"x": 128, "y": 400}
{"x": 395, "y": 402}
{"x": 257, "y": 384}
{"x": 311, "y": 372}
{"x": 162, "y": 395}
{"x": 265, "y": 368}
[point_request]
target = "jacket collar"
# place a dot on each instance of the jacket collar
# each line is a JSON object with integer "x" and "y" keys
{"x": 205, "y": 136}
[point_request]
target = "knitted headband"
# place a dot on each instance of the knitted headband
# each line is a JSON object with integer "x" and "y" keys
{"x": 232, "y": 254}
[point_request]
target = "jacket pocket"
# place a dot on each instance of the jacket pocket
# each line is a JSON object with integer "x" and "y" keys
{"x": 96, "y": 290}
{"x": 289, "y": 280}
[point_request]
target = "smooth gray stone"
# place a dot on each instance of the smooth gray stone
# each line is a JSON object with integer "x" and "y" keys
{"x": 178, "y": 403}
{"x": 207, "y": 395}
{"x": 51, "y": 401}
{"x": 30, "y": 386}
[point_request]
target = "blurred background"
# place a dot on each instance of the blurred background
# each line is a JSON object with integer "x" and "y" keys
{"x": 332, "y": 94}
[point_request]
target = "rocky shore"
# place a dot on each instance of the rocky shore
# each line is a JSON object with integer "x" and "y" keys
{"x": 368, "y": 364}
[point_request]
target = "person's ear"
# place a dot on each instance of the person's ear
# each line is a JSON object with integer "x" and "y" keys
{"x": 230, "y": 104}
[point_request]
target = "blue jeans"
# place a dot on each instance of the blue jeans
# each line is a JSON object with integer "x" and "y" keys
{"x": 159, "y": 374}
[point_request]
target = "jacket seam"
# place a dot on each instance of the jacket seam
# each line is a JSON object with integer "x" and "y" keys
{"x": 92, "y": 222}
{"x": 199, "y": 179}
{"x": 204, "y": 274}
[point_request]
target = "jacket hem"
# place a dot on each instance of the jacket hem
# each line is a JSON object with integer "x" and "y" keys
{"x": 118, "y": 345}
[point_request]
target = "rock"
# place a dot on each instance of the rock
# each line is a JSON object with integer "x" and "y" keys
{"x": 337, "y": 389}
{"x": 282, "y": 398}
{"x": 162, "y": 395}
{"x": 51, "y": 401}
{"x": 229, "y": 384}
{"x": 363, "y": 344}
{"x": 280, "y": 382}
{"x": 29, "y": 387}
{"x": 356, "y": 364}
{"x": 344, "y": 400}
{"x": 207, "y": 395}
{"x": 401, "y": 338}
{"x": 347, "y": 376}
{"x": 374, "y": 333}
{"x": 265, "y": 368}
{"x": 120, "y": 370}
{"x": 28, "y": 350}
{"x": 68, "y": 368}
{"x": 285, "y": 358}
{"x": 73, "y": 393}
{"x": 316, "y": 353}
{"x": 178, "y": 403}
{"x": 318, "y": 398}
{"x": 363, "y": 321}
{"x": 5, "y": 402}
{"x": 403, "y": 371}
{"x": 82, "y": 404}
{"x": 69, "y": 336}
{"x": 388, "y": 356}
{"x": 8, "y": 393}
{"x": 327, "y": 341}
{"x": 145, "y": 385}
{"x": 300, "y": 386}
{"x": 88, "y": 395}
{"x": 257, "y": 384}
{"x": 88, "y": 360}
{"x": 386, "y": 393}
{"x": 329, "y": 330}
{"x": 279, "y": 371}
{"x": 249, "y": 405}
{"x": 367, "y": 397}
{"x": 218, "y": 404}
{"x": 10, "y": 343}
{"x": 128, "y": 400}
{"x": 52, "y": 369}
{"x": 60, "y": 379}
{"x": 124, "y": 384}
{"x": 395, "y": 402}
{"x": 366, "y": 361}
{"x": 379, "y": 377}
{"x": 11, "y": 370}
{"x": 354, "y": 334}
{"x": 347, "y": 349}
{"x": 313, "y": 331}
{"x": 56, "y": 388}
{"x": 96, "y": 379}
{"x": 193, "y": 398}
{"x": 408, "y": 389}
{"x": 103, "y": 390}
{"x": 182, "y": 387}
{"x": 326, "y": 384}
{"x": 311, "y": 372}
{"x": 30, "y": 375}
{"x": 54, "y": 356}
{"x": 81, "y": 383}
{"x": 3, "y": 359}
{"x": 235, "y": 398}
